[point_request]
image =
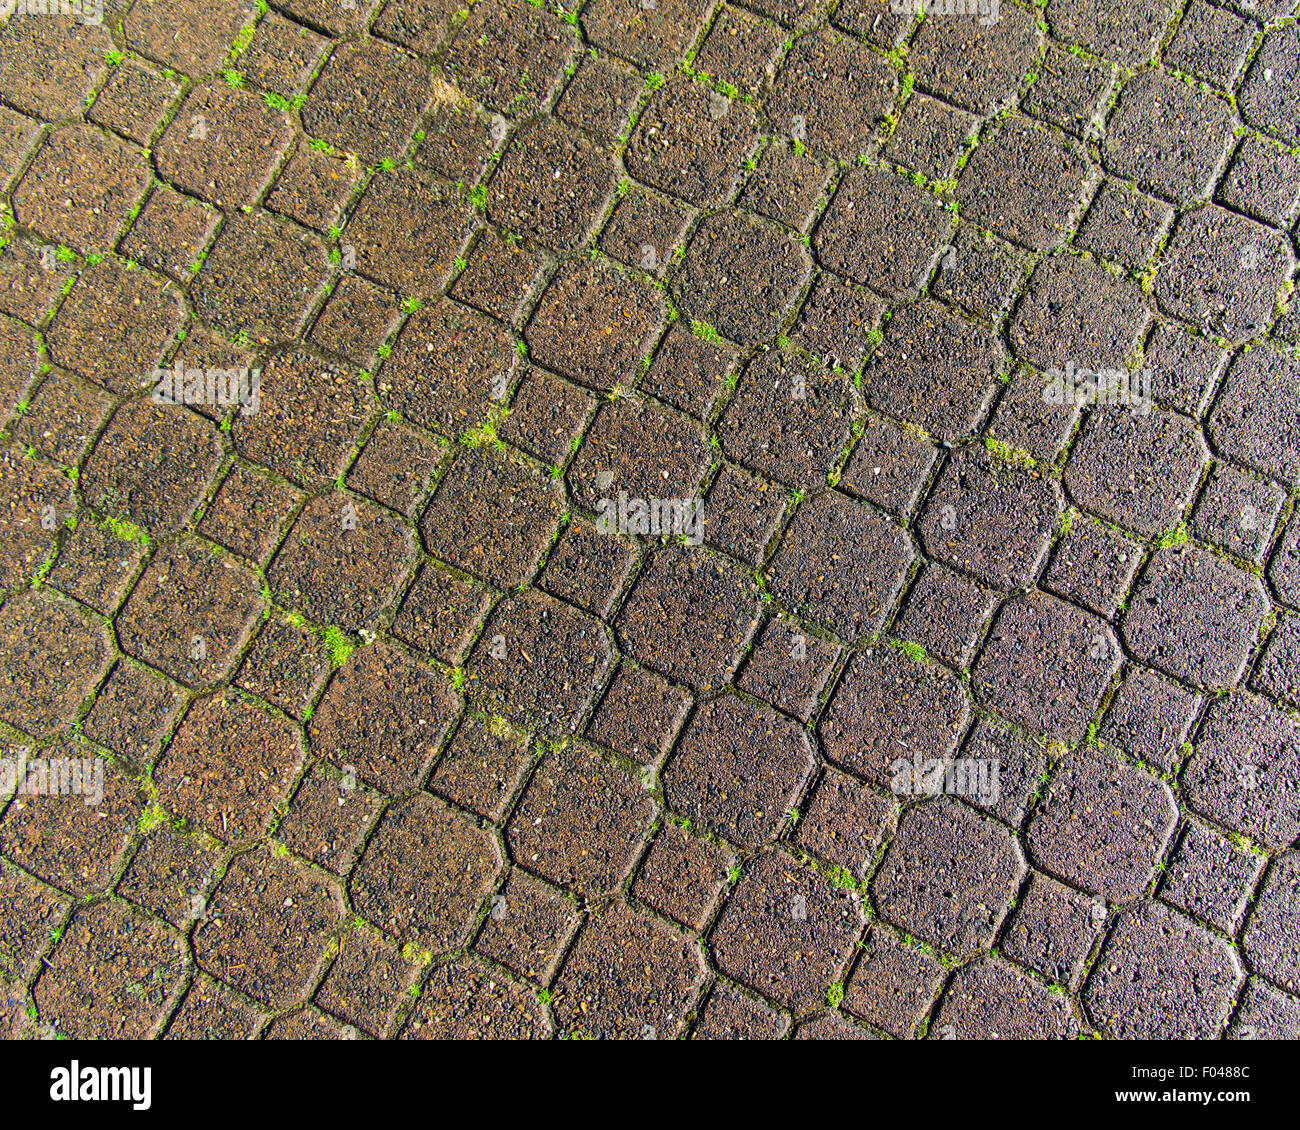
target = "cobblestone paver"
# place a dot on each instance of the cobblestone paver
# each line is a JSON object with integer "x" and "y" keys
{"x": 650, "y": 519}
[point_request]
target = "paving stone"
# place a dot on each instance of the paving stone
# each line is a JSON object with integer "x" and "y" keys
{"x": 730, "y": 1015}
{"x": 738, "y": 770}
{"x": 510, "y": 58}
{"x": 786, "y": 933}
{"x": 171, "y": 232}
{"x": 1264, "y": 102}
{"x": 481, "y": 767}
{"x": 424, "y": 873}
{"x": 441, "y": 613}
{"x": 528, "y": 927}
{"x": 640, "y": 715}
{"x": 492, "y": 517}
{"x": 1102, "y": 826}
{"x": 930, "y": 135}
{"x": 587, "y": 567}
{"x": 872, "y": 200}
{"x": 18, "y": 133}
{"x": 653, "y": 38}
{"x": 1254, "y": 419}
{"x": 1238, "y": 512}
{"x": 742, "y": 513}
{"x": 1031, "y": 200}
{"x": 832, "y": 1026}
{"x": 287, "y": 665}
{"x": 32, "y": 912}
{"x": 1184, "y": 367}
{"x": 840, "y": 565}
{"x": 600, "y": 96}
{"x": 32, "y": 497}
{"x": 1212, "y": 44}
{"x": 499, "y": 277}
{"x": 1070, "y": 91}
{"x": 627, "y": 977}
{"x": 844, "y": 822}
{"x": 790, "y": 418}
{"x": 191, "y": 613}
{"x": 893, "y": 985}
{"x": 836, "y": 322}
{"x": 408, "y": 230}
{"x": 312, "y": 188}
{"x": 1076, "y": 311}
{"x": 1270, "y": 941}
{"x": 551, "y": 185}
{"x": 1244, "y": 772}
{"x": 739, "y": 50}
{"x": 874, "y": 20}
{"x": 342, "y": 562}
{"x": 261, "y": 277}
{"x": 540, "y": 662}
{"x": 1149, "y": 717}
{"x": 945, "y": 614}
{"x": 1027, "y": 419}
{"x": 888, "y": 709}
{"x": 31, "y": 278}
{"x": 308, "y": 1024}
{"x": 460, "y": 137}
{"x": 934, "y": 369}
{"x": 980, "y": 272}
{"x": 1123, "y": 31}
{"x": 282, "y": 55}
{"x": 1046, "y": 665}
{"x": 688, "y": 372}
{"x": 1142, "y": 984}
{"x": 580, "y": 822}
{"x": 594, "y": 324}
{"x": 990, "y": 518}
{"x": 367, "y": 99}
{"x": 949, "y": 877}
{"x": 463, "y": 1000}
{"x": 834, "y": 90}
{"x": 682, "y": 877}
{"x": 132, "y": 713}
{"x": 367, "y": 984}
{"x": 888, "y": 467}
{"x": 133, "y": 101}
{"x": 1195, "y": 616}
{"x": 52, "y": 64}
{"x": 114, "y": 325}
{"x": 266, "y": 928}
{"x": 644, "y": 230}
{"x": 385, "y": 716}
{"x": 228, "y": 767}
{"x": 1265, "y": 1014}
{"x": 991, "y": 1001}
{"x": 1278, "y": 674}
{"x": 249, "y": 513}
{"x": 1210, "y": 879}
{"x": 1051, "y": 931}
{"x": 1222, "y": 271}
{"x": 95, "y": 566}
{"x": 169, "y": 873}
{"x": 975, "y": 63}
{"x": 1124, "y": 226}
{"x": 112, "y": 976}
{"x": 189, "y": 35}
{"x": 789, "y": 669}
{"x": 421, "y": 25}
{"x": 327, "y": 818}
{"x": 546, "y": 416}
{"x": 1016, "y": 767}
{"x": 213, "y": 1011}
{"x": 691, "y": 141}
{"x": 1263, "y": 181}
{"x": 396, "y": 466}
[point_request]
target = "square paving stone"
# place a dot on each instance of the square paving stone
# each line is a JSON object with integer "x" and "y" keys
{"x": 742, "y": 512}
{"x": 1016, "y": 767}
{"x": 540, "y": 662}
{"x": 887, "y": 710}
{"x": 844, "y": 822}
{"x": 287, "y": 664}
{"x": 786, "y": 186}
{"x": 1123, "y": 30}
{"x": 1210, "y": 879}
{"x": 1124, "y": 226}
{"x": 930, "y": 136}
{"x": 493, "y": 517}
{"x": 249, "y": 513}
{"x": 281, "y": 55}
{"x": 988, "y": 1000}
{"x": 1195, "y": 616}
{"x": 424, "y": 873}
{"x": 342, "y": 562}
{"x": 190, "y": 35}
{"x": 1264, "y": 1013}
{"x": 1278, "y": 673}
{"x": 789, "y": 669}
{"x": 836, "y": 322}
{"x": 600, "y": 96}
{"x": 1046, "y": 665}
{"x": 1027, "y": 418}
{"x": 546, "y": 416}
{"x": 1270, "y": 938}
{"x": 729, "y": 1014}
{"x": 640, "y": 714}
{"x": 328, "y": 817}
{"x": 1162, "y": 977}
{"x": 973, "y": 62}
{"x": 833, "y": 90}
{"x": 170, "y": 233}
{"x": 356, "y": 320}
{"x": 482, "y": 767}
{"x": 528, "y": 927}
{"x": 587, "y": 567}
{"x": 1222, "y": 272}
{"x": 888, "y": 467}
{"x": 312, "y": 188}
{"x": 653, "y": 38}
{"x": 738, "y": 770}
{"x": 1051, "y": 931}
{"x": 459, "y": 137}
{"x": 33, "y": 496}
{"x": 790, "y": 418}
{"x": 581, "y": 821}
{"x": 32, "y": 915}
{"x": 1264, "y": 100}
{"x": 367, "y": 99}
{"x": 228, "y": 767}
{"x": 441, "y": 613}
{"x": 1149, "y": 717}
{"x": 62, "y": 417}
{"x": 1025, "y": 184}
{"x": 786, "y": 933}
{"x": 1184, "y": 367}
{"x": 691, "y": 142}
{"x": 1103, "y": 826}
{"x": 1069, "y": 91}
{"x": 644, "y": 229}
{"x": 893, "y": 985}
{"x": 1212, "y": 44}
{"x": 1094, "y": 566}
{"x": 1263, "y": 181}
{"x": 169, "y": 873}
{"x": 690, "y": 616}
{"x": 1255, "y": 420}
{"x": 31, "y": 278}
{"x": 51, "y": 64}
{"x": 95, "y": 565}
{"x": 981, "y": 272}
{"x": 682, "y": 877}
{"x": 1238, "y": 512}
{"x": 945, "y": 614}
{"x": 396, "y": 466}
{"x": 1244, "y": 772}
{"x": 840, "y": 565}
{"x": 464, "y": 1000}
{"x": 133, "y": 712}
{"x": 368, "y": 982}
{"x": 688, "y": 372}
{"x": 385, "y": 716}
{"x": 949, "y": 877}
{"x": 739, "y": 49}
{"x": 990, "y": 518}
{"x": 500, "y": 276}
{"x": 267, "y": 928}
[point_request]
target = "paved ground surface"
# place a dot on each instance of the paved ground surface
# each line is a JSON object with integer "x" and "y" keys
{"x": 398, "y": 741}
